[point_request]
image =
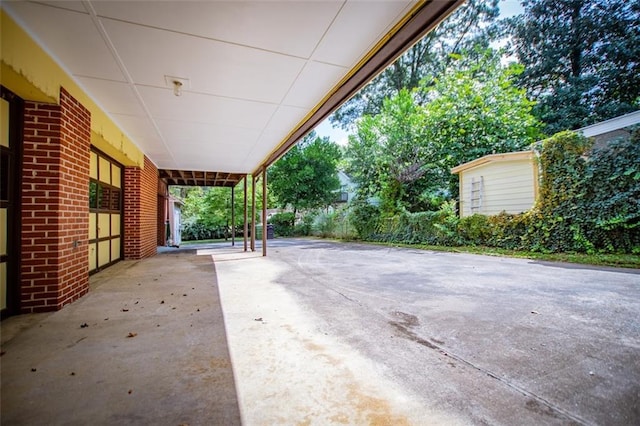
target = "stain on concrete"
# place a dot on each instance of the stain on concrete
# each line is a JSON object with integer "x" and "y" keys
{"x": 406, "y": 320}
{"x": 403, "y": 325}
{"x": 535, "y": 406}
{"x": 376, "y": 411}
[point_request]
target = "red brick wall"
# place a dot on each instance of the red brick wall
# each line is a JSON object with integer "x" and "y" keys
{"x": 55, "y": 204}
{"x": 140, "y": 210}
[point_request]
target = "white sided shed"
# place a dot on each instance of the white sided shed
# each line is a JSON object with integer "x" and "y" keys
{"x": 495, "y": 183}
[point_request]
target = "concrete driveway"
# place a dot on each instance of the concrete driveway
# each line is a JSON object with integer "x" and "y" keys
{"x": 330, "y": 333}
{"x": 323, "y": 333}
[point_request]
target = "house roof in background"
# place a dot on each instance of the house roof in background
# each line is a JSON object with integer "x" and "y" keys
{"x": 617, "y": 123}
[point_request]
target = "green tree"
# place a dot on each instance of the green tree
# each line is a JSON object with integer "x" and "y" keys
{"x": 474, "y": 110}
{"x": 466, "y": 28}
{"x": 403, "y": 155}
{"x": 581, "y": 58}
{"x": 306, "y": 176}
{"x": 389, "y": 156}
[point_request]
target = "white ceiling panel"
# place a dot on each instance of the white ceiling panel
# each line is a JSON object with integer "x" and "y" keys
{"x": 212, "y": 67}
{"x": 70, "y": 37}
{"x": 285, "y": 118}
{"x": 115, "y": 97}
{"x": 312, "y": 82}
{"x": 200, "y": 108}
{"x": 357, "y": 22}
{"x": 136, "y": 126}
{"x": 207, "y": 134}
{"x": 267, "y": 25}
{"x": 266, "y": 143}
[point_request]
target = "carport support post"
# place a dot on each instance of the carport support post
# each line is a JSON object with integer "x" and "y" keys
{"x": 246, "y": 225}
{"x": 253, "y": 213}
{"x": 264, "y": 211}
{"x": 233, "y": 217}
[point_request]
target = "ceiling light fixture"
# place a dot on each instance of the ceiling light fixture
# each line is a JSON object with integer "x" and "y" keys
{"x": 177, "y": 87}
{"x": 177, "y": 84}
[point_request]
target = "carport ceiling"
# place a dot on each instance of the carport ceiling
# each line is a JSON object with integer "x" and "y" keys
{"x": 256, "y": 76}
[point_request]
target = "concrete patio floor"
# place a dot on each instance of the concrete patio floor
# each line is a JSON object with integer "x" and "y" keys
{"x": 146, "y": 346}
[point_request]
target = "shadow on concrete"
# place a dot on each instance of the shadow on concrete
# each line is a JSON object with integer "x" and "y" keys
{"x": 576, "y": 266}
{"x": 146, "y": 346}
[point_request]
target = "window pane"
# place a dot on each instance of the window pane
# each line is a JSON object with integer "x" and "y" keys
{"x": 103, "y": 197}
{"x": 4, "y": 175}
{"x": 93, "y": 195}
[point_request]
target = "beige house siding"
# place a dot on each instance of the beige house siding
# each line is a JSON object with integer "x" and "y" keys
{"x": 507, "y": 184}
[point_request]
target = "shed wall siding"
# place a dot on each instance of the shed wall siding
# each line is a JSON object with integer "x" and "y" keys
{"x": 508, "y": 186}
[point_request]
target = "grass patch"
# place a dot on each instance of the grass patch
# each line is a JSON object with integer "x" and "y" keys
{"x": 602, "y": 259}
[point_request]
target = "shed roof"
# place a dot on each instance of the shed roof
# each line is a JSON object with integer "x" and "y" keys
{"x": 494, "y": 158}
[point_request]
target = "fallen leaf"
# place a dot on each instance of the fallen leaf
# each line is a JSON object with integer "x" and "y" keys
{"x": 132, "y": 334}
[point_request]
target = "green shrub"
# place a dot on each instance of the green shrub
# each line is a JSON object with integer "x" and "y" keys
{"x": 430, "y": 227}
{"x": 326, "y": 224}
{"x": 304, "y": 227}
{"x": 283, "y": 224}
{"x": 474, "y": 230}
{"x": 194, "y": 231}
{"x": 507, "y": 230}
{"x": 365, "y": 218}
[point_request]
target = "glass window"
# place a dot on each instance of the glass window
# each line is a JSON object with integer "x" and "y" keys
{"x": 93, "y": 195}
{"x": 103, "y": 197}
{"x": 4, "y": 175}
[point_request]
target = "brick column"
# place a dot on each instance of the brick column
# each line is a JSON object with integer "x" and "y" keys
{"x": 140, "y": 210}
{"x": 55, "y": 204}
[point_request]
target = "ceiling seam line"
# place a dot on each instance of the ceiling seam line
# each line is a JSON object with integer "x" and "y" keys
{"x": 230, "y": 43}
{"x": 309, "y": 59}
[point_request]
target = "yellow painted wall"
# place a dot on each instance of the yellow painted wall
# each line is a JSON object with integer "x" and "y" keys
{"x": 33, "y": 75}
{"x": 508, "y": 186}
